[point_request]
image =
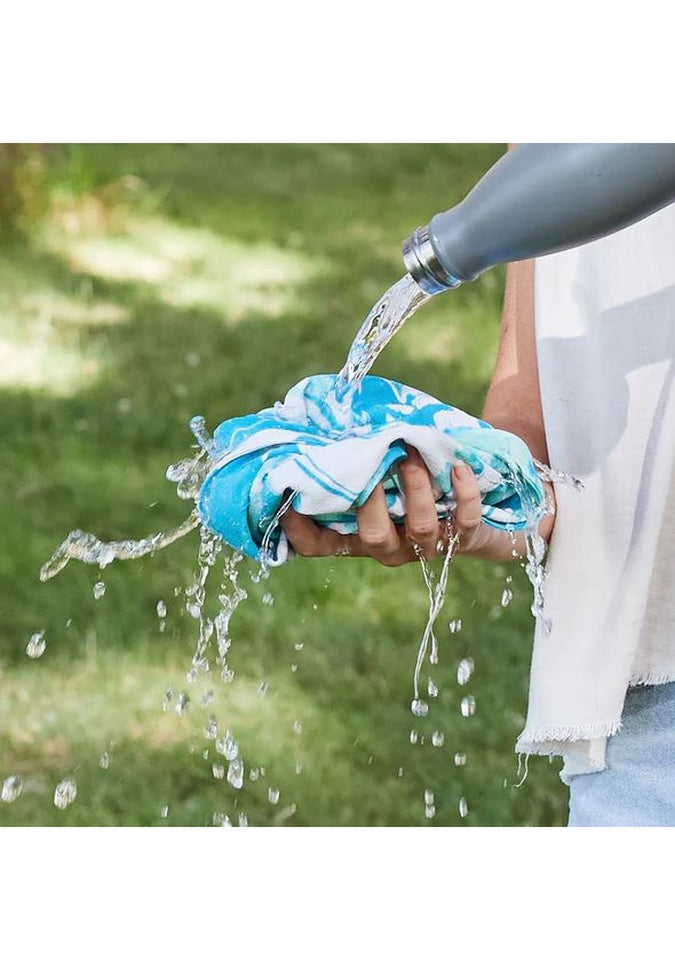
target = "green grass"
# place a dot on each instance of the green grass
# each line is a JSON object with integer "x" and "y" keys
{"x": 169, "y": 280}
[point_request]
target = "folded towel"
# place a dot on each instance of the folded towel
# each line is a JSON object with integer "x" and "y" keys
{"x": 330, "y": 453}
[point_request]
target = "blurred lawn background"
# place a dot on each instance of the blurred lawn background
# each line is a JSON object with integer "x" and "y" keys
{"x": 143, "y": 284}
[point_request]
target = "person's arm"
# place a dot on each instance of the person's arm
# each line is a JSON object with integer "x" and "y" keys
{"x": 513, "y": 401}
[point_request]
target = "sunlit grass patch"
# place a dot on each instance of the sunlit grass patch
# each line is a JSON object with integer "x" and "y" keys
{"x": 184, "y": 266}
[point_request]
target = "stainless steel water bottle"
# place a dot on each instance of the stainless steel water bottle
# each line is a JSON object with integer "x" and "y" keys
{"x": 539, "y": 199}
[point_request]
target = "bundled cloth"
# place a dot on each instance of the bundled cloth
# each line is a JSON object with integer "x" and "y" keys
{"x": 326, "y": 452}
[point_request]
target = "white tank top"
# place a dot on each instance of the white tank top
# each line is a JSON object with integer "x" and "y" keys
{"x": 605, "y": 331}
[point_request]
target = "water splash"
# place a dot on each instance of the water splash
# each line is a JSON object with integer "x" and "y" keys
{"x": 436, "y": 590}
{"x": 464, "y": 671}
{"x": 235, "y": 773}
{"x": 384, "y": 320}
{"x": 90, "y": 549}
{"x": 468, "y": 706}
{"x": 65, "y": 793}
{"x": 11, "y": 788}
{"x": 211, "y": 728}
{"x": 228, "y": 747}
{"x": 556, "y": 477}
{"x": 182, "y": 704}
{"x": 37, "y": 645}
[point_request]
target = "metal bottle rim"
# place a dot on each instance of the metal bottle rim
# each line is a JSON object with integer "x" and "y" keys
{"x": 423, "y": 264}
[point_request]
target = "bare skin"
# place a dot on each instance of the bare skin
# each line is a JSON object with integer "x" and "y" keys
{"x": 513, "y": 403}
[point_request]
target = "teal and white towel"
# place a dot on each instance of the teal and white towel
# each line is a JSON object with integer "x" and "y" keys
{"x": 331, "y": 454}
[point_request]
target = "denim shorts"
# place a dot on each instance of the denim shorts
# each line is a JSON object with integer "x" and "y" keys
{"x": 638, "y": 786}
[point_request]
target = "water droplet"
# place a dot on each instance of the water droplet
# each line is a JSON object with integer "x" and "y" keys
{"x": 507, "y": 596}
{"x": 268, "y": 599}
{"x": 161, "y": 609}
{"x": 315, "y": 606}
{"x": 36, "y": 645}
{"x": 399, "y": 773}
{"x": 460, "y": 758}
{"x": 104, "y": 761}
{"x": 68, "y": 622}
{"x": 419, "y": 707}
{"x": 437, "y": 739}
{"x": 273, "y": 795}
{"x": 211, "y": 729}
{"x": 294, "y": 668}
{"x": 297, "y": 727}
{"x": 65, "y": 793}
{"x": 413, "y": 737}
{"x": 221, "y": 820}
{"x": 11, "y": 788}
{"x": 464, "y": 671}
{"x": 183, "y": 703}
{"x": 99, "y": 590}
{"x": 168, "y": 698}
{"x": 228, "y": 747}
{"x": 243, "y": 821}
{"x": 192, "y": 359}
{"x": 254, "y": 774}
{"x": 207, "y": 698}
{"x": 218, "y": 770}
{"x": 235, "y": 773}
{"x": 428, "y": 796}
{"x": 298, "y": 768}
{"x": 432, "y": 689}
{"x": 262, "y": 688}
{"x": 462, "y": 808}
{"x": 429, "y": 811}
{"x": 468, "y": 706}
{"x": 298, "y": 647}
{"x": 164, "y": 811}
{"x": 454, "y": 626}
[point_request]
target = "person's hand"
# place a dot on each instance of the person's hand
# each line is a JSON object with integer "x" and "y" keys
{"x": 378, "y": 538}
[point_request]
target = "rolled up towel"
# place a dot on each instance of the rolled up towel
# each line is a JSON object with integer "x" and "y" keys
{"x": 329, "y": 453}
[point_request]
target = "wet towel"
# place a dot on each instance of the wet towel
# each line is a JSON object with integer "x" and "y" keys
{"x": 332, "y": 455}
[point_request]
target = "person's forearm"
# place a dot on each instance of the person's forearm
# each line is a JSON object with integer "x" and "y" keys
{"x": 513, "y": 401}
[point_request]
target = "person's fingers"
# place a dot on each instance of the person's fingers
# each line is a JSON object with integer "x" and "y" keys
{"x": 309, "y": 539}
{"x": 377, "y": 535}
{"x": 421, "y": 517}
{"x": 467, "y": 492}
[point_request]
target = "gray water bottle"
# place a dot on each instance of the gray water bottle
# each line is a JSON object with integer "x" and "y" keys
{"x": 539, "y": 199}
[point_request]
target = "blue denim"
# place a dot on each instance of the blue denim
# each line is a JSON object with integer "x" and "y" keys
{"x": 638, "y": 786}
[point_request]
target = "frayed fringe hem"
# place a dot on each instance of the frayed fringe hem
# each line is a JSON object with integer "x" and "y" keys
{"x": 567, "y": 735}
{"x": 554, "y": 749}
{"x": 651, "y": 680}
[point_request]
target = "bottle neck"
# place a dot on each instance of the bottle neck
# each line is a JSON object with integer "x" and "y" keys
{"x": 422, "y": 263}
